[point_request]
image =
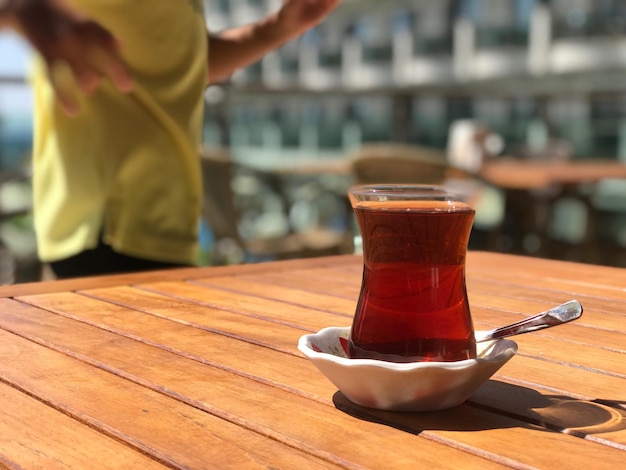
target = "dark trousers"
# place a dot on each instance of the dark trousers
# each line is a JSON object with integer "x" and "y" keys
{"x": 103, "y": 260}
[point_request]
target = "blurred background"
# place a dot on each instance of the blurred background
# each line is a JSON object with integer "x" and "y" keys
{"x": 521, "y": 105}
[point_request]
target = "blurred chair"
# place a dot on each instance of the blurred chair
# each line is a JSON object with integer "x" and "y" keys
{"x": 384, "y": 163}
{"x": 223, "y": 216}
{"x": 395, "y": 163}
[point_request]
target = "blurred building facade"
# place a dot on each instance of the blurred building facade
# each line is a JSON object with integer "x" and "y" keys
{"x": 405, "y": 70}
{"x": 533, "y": 71}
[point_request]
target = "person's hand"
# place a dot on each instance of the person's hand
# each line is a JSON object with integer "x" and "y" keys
{"x": 298, "y": 16}
{"x": 241, "y": 46}
{"x": 78, "y": 52}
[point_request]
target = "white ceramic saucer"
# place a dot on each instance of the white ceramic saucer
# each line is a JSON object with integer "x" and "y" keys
{"x": 415, "y": 386}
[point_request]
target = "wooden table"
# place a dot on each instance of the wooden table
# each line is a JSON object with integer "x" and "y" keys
{"x": 509, "y": 173}
{"x": 533, "y": 190}
{"x": 198, "y": 368}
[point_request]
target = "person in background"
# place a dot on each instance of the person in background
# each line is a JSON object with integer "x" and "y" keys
{"x": 118, "y": 115}
{"x": 61, "y": 35}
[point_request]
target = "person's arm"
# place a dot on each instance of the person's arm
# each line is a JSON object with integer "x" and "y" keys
{"x": 239, "y": 47}
{"x": 78, "y": 51}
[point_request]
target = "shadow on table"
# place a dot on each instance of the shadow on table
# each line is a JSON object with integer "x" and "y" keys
{"x": 499, "y": 404}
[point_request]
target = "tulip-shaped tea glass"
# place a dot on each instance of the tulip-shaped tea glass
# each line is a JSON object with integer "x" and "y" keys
{"x": 413, "y": 302}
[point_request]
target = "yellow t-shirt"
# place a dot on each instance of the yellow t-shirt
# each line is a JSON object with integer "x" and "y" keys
{"x": 127, "y": 166}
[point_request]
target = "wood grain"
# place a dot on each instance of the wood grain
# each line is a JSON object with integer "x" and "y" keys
{"x": 240, "y": 399}
{"x": 38, "y": 436}
{"x": 145, "y": 419}
{"x": 199, "y": 368}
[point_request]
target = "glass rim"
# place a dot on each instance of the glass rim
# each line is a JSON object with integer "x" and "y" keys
{"x": 425, "y": 192}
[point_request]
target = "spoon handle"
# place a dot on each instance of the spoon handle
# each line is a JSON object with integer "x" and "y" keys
{"x": 555, "y": 316}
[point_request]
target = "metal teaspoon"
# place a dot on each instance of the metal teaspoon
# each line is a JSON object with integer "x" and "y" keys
{"x": 555, "y": 316}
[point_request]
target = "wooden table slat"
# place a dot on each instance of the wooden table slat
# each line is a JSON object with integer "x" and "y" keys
{"x": 507, "y": 267}
{"x": 37, "y": 436}
{"x": 249, "y": 305}
{"x": 342, "y": 284}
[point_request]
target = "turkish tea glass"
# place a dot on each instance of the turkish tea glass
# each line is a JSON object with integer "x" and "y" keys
{"x": 413, "y": 303}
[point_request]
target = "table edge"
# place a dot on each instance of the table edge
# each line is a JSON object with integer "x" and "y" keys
{"x": 178, "y": 274}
